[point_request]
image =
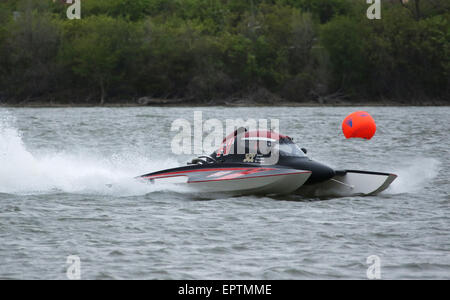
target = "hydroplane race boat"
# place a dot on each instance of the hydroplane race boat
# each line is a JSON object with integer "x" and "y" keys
{"x": 269, "y": 163}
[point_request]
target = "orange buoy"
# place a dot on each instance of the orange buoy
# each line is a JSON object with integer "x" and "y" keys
{"x": 359, "y": 125}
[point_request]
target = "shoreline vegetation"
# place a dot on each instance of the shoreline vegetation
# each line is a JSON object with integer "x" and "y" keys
{"x": 228, "y": 103}
{"x": 224, "y": 52}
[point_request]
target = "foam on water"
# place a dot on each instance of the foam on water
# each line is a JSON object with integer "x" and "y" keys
{"x": 415, "y": 176}
{"x": 22, "y": 172}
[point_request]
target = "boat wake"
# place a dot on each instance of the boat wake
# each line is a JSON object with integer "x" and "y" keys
{"x": 415, "y": 176}
{"x": 47, "y": 172}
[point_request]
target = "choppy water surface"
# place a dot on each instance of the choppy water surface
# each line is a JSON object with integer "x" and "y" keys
{"x": 55, "y": 165}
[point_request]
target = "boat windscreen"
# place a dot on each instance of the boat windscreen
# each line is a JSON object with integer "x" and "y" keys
{"x": 290, "y": 149}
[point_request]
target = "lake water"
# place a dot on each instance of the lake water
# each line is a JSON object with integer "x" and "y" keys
{"x": 55, "y": 201}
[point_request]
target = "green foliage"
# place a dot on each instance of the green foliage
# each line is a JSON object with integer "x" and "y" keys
{"x": 344, "y": 38}
{"x": 168, "y": 58}
{"x": 29, "y": 47}
{"x": 208, "y": 49}
{"x": 396, "y": 56}
{"x": 129, "y": 9}
{"x": 325, "y": 10}
{"x": 99, "y": 49}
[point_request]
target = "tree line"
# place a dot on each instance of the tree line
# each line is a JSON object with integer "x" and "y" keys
{"x": 208, "y": 50}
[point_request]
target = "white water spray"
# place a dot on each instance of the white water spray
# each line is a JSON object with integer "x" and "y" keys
{"x": 22, "y": 172}
{"x": 415, "y": 176}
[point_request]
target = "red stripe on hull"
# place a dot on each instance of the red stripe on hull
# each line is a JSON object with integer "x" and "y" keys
{"x": 207, "y": 170}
